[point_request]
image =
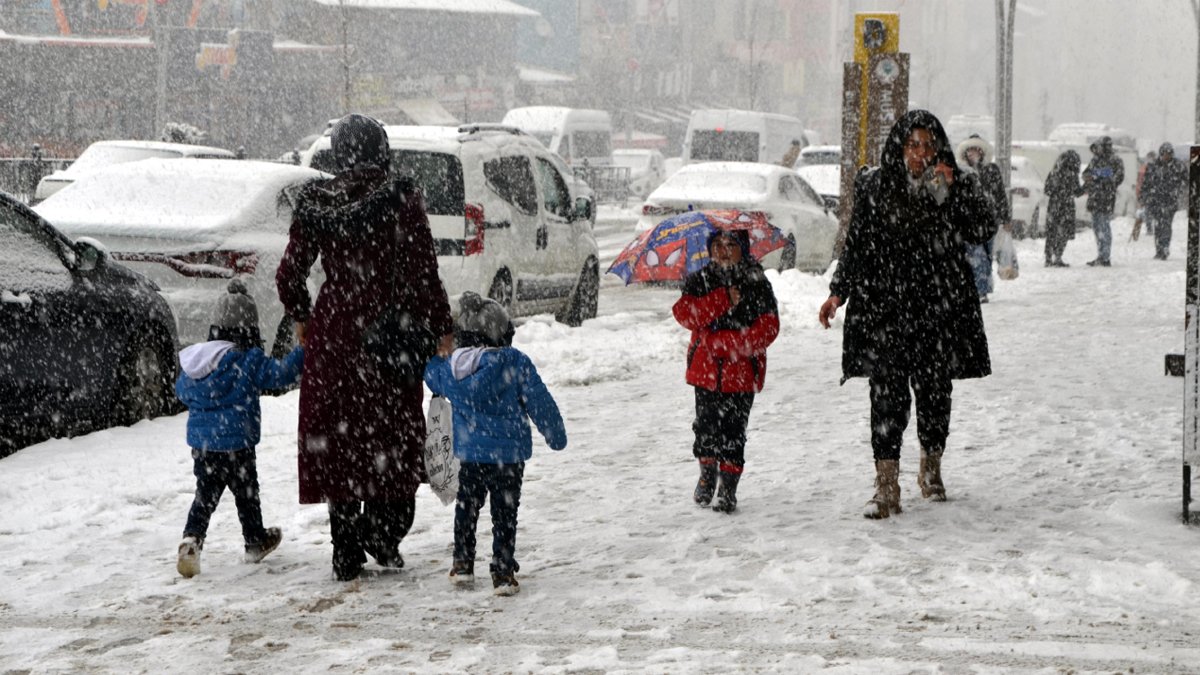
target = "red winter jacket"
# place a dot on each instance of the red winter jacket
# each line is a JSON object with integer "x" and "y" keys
{"x": 728, "y": 350}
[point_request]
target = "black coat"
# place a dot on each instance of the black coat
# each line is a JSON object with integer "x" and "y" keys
{"x": 992, "y": 182}
{"x": 912, "y": 306}
{"x": 1163, "y": 184}
{"x": 1062, "y": 187}
{"x": 1107, "y": 171}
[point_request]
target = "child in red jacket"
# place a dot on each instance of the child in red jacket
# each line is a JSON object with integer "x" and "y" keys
{"x": 730, "y": 308}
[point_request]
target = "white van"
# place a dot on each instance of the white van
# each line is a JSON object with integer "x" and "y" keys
{"x": 740, "y": 136}
{"x": 575, "y": 134}
{"x": 504, "y": 219}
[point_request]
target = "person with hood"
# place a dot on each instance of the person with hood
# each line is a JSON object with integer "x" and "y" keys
{"x": 1166, "y": 179}
{"x": 976, "y": 155}
{"x": 731, "y": 310}
{"x": 362, "y": 430}
{"x": 913, "y": 318}
{"x": 494, "y": 390}
{"x": 1062, "y": 187}
{"x": 220, "y": 382}
{"x": 1103, "y": 175}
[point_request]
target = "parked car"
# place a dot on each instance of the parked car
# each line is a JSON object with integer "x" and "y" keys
{"x": 789, "y": 201}
{"x": 647, "y": 169}
{"x": 505, "y": 218}
{"x": 1029, "y": 202}
{"x": 82, "y": 338}
{"x": 191, "y": 227}
{"x": 818, "y": 155}
{"x": 826, "y": 179}
{"x": 105, "y": 153}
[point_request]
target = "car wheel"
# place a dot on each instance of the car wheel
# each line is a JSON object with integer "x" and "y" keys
{"x": 502, "y": 290}
{"x": 144, "y": 379}
{"x": 787, "y": 261}
{"x": 585, "y": 300}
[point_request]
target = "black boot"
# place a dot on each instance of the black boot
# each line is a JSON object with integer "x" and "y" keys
{"x": 348, "y": 556}
{"x": 726, "y": 501}
{"x": 707, "y": 483}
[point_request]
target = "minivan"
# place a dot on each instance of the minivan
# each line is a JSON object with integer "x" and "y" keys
{"x": 740, "y": 136}
{"x": 575, "y": 134}
{"x": 505, "y": 221}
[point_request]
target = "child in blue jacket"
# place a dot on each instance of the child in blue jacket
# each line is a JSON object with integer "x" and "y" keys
{"x": 495, "y": 390}
{"x": 220, "y": 384}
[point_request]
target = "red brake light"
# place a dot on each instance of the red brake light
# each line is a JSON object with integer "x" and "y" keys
{"x": 1020, "y": 192}
{"x": 474, "y": 228}
{"x": 202, "y": 264}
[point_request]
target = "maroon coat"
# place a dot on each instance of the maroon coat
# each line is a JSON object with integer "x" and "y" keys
{"x": 360, "y": 437}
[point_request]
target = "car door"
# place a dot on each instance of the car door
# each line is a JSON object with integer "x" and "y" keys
{"x": 816, "y": 229}
{"x": 515, "y": 247}
{"x": 49, "y": 323}
{"x": 559, "y": 242}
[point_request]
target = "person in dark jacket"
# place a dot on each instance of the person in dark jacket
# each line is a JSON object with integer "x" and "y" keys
{"x": 913, "y": 318}
{"x": 1062, "y": 187}
{"x": 1166, "y": 179}
{"x": 975, "y": 155}
{"x": 494, "y": 390}
{"x": 1103, "y": 175}
{"x": 362, "y": 432}
{"x": 731, "y": 310}
{"x": 220, "y": 382}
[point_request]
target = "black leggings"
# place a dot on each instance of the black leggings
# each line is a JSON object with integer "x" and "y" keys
{"x": 891, "y": 401}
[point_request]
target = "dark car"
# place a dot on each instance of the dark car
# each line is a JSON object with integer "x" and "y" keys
{"x": 83, "y": 340}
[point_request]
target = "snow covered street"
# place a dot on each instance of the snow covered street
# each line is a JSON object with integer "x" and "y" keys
{"x": 1061, "y": 548}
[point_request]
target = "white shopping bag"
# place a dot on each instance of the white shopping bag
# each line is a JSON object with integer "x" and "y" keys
{"x": 440, "y": 463}
{"x": 1005, "y": 252}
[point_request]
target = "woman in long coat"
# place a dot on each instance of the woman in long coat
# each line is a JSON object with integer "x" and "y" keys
{"x": 1062, "y": 187}
{"x": 361, "y": 433}
{"x": 913, "y": 318}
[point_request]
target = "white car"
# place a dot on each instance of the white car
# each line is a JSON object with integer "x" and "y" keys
{"x": 789, "y": 201}
{"x": 191, "y": 227}
{"x": 820, "y": 155}
{"x": 1029, "y": 202}
{"x": 105, "y": 153}
{"x": 507, "y": 221}
{"x": 647, "y": 169}
{"x": 826, "y": 179}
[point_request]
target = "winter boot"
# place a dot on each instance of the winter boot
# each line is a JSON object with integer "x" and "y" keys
{"x": 256, "y": 552}
{"x": 188, "y": 562}
{"x": 929, "y": 477}
{"x": 505, "y": 583}
{"x": 726, "y": 501}
{"x": 708, "y": 481}
{"x": 462, "y": 573}
{"x": 887, "y": 490}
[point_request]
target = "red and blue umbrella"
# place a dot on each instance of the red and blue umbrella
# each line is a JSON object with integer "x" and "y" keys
{"x": 678, "y": 246}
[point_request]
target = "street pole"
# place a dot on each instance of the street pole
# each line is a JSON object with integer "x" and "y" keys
{"x": 345, "y": 57}
{"x": 1005, "y": 25}
{"x": 1195, "y": 5}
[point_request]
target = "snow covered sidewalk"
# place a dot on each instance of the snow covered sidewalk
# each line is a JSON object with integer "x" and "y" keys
{"x": 1060, "y": 549}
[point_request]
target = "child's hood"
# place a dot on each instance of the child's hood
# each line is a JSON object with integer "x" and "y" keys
{"x": 466, "y": 360}
{"x": 200, "y": 360}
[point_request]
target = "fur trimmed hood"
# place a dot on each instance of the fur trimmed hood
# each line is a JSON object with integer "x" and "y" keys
{"x": 973, "y": 142}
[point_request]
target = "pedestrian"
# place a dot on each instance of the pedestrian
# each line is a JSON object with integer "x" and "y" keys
{"x": 975, "y": 155}
{"x": 1166, "y": 179}
{"x": 361, "y": 427}
{"x": 220, "y": 384}
{"x": 1062, "y": 187}
{"x": 1104, "y": 173}
{"x": 494, "y": 390}
{"x": 792, "y": 154}
{"x": 731, "y": 310}
{"x": 913, "y": 318}
{"x": 1137, "y": 193}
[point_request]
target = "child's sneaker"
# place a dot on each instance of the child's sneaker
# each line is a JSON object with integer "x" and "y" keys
{"x": 462, "y": 573}
{"x": 256, "y": 552}
{"x": 505, "y": 583}
{"x": 188, "y": 562}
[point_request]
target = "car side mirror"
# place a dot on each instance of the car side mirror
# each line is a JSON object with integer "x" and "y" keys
{"x": 583, "y": 209}
{"x": 89, "y": 254}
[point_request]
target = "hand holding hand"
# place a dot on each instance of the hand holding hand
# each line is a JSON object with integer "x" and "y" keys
{"x": 301, "y": 329}
{"x": 446, "y": 345}
{"x": 829, "y": 310}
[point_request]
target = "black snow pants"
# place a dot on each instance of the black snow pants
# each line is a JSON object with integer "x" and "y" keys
{"x": 720, "y": 426}
{"x": 215, "y": 471}
{"x": 891, "y": 401}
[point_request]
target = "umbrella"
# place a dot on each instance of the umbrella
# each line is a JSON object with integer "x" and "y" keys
{"x": 678, "y": 246}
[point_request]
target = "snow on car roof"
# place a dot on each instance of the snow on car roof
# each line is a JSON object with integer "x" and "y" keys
{"x": 754, "y": 168}
{"x": 826, "y": 179}
{"x": 182, "y": 148}
{"x": 163, "y": 197}
{"x": 458, "y": 6}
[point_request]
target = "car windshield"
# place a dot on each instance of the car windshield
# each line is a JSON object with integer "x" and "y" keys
{"x": 701, "y": 182}
{"x": 439, "y": 175}
{"x": 725, "y": 146}
{"x": 544, "y": 138}
{"x": 97, "y": 156}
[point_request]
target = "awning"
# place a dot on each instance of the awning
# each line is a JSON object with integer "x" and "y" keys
{"x": 427, "y": 112}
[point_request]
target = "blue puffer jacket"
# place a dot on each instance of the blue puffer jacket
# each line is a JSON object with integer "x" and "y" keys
{"x": 495, "y": 392}
{"x": 220, "y": 385}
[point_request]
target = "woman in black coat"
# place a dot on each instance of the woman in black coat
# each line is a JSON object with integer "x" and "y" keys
{"x": 1062, "y": 187}
{"x": 913, "y": 318}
